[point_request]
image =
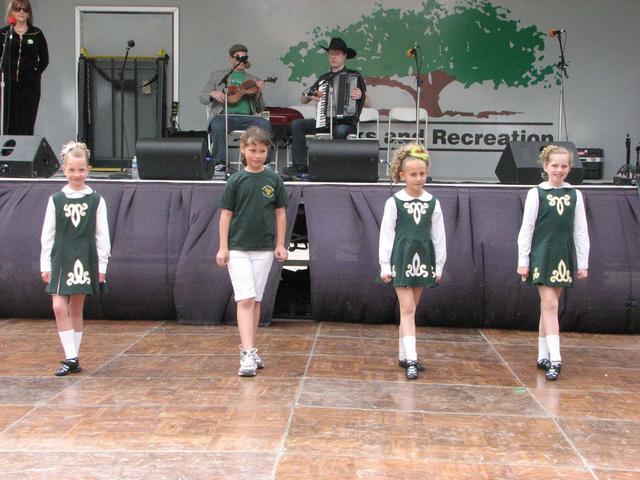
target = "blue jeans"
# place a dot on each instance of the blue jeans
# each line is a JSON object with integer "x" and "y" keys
{"x": 307, "y": 126}
{"x": 236, "y": 122}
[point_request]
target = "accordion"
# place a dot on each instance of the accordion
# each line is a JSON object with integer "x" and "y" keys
{"x": 341, "y": 103}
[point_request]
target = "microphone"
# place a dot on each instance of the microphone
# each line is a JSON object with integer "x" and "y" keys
{"x": 131, "y": 44}
{"x": 12, "y": 21}
{"x": 554, "y": 32}
{"x": 412, "y": 51}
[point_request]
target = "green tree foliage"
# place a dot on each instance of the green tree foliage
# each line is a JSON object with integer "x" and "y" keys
{"x": 472, "y": 43}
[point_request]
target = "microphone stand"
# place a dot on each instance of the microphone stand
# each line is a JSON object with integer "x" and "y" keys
{"x": 627, "y": 173}
{"x": 122, "y": 174}
{"x": 5, "y": 66}
{"x": 562, "y": 64}
{"x": 223, "y": 82}
{"x": 418, "y": 60}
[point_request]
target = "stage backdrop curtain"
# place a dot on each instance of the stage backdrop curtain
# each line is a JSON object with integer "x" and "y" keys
{"x": 480, "y": 287}
{"x": 164, "y": 240}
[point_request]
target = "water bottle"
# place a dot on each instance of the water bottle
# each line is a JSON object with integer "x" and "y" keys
{"x": 134, "y": 168}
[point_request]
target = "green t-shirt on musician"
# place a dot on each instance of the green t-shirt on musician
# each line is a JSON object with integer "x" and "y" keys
{"x": 253, "y": 198}
{"x": 243, "y": 107}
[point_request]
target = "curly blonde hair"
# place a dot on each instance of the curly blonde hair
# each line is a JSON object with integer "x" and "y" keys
{"x": 75, "y": 149}
{"x": 411, "y": 150}
{"x": 545, "y": 154}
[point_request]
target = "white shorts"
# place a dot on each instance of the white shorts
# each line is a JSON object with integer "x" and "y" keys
{"x": 249, "y": 271}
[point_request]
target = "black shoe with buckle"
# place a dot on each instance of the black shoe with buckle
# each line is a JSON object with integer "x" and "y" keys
{"x": 412, "y": 370}
{"x": 543, "y": 364}
{"x": 405, "y": 364}
{"x": 553, "y": 372}
{"x": 70, "y": 365}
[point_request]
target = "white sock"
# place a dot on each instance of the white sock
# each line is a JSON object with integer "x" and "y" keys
{"x": 402, "y": 355}
{"x": 543, "y": 351}
{"x": 410, "y": 348}
{"x": 68, "y": 343}
{"x": 553, "y": 344}
{"x": 78, "y": 340}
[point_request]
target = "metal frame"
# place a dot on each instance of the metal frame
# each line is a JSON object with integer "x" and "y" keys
{"x": 175, "y": 13}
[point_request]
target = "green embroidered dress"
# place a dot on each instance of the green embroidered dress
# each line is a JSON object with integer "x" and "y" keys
{"x": 552, "y": 251}
{"x": 412, "y": 240}
{"x": 74, "y": 257}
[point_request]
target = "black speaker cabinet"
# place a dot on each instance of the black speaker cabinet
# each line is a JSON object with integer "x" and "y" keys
{"x": 343, "y": 160}
{"x": 173, "y": 158}
{"x": 26, "y": 156}
{"x": 519, "y": 163}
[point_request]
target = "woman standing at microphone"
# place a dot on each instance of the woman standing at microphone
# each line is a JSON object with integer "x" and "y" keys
{"x": 29, "y": 57}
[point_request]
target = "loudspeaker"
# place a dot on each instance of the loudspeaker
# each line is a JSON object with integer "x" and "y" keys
{"x": 173, "y": 158}
{"x": 343, "y": 160}
{"x": 519, "y": 163}
{"x": 26, "y": 156}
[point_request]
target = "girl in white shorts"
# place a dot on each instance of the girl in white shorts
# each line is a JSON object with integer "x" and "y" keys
{"x": 252, "y": 230}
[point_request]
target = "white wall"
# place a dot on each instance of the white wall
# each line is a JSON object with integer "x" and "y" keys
{"x": 602, "y": 96}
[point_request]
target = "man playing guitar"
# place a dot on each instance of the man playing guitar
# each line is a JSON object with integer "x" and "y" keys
{"x": 239, "y": 113}
{"x": 337, "y": 53}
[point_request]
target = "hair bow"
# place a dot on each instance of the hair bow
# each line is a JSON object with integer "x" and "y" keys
{"x": 419, "y": 152}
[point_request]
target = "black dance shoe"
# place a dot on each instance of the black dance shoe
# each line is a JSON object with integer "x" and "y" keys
{"x": 553, "y": 372}
{"x": 412, "y": 370}
{"x": 543, "y": 364}
{"x": 405, "y": 364}
{"x": 70, "y": 365}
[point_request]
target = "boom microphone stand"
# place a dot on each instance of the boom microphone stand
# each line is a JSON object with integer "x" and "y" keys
{"x": 562, "y": 65}
{"x": 122, "y": 173}
{"x": 223, "y": 82}
{"x": 416, "y": 52}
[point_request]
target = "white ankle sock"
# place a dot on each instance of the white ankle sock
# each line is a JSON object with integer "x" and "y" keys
{"x": 402, "y": 355}
{"x": 68, "y": 343}
{"x": 553, "y": 344}
{"x": 409, "y": 343}
{"x": 543, "y": 351}
{"x": 78, "y": 340}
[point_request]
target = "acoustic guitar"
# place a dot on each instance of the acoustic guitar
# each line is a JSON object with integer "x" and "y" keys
{"x": 248, "y": 87}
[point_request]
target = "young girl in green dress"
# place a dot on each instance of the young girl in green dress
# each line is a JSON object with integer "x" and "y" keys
{"x": 412, "y": 249}
{"x": 554, "y": 224}
{"x": 75, "y": 250}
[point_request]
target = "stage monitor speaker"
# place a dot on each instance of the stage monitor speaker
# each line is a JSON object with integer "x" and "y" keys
{"x": 343, "y": 160}
{"x": 519, "y": 163}
{"x": 26, "y": 156}
{"x": 173, "y": 158}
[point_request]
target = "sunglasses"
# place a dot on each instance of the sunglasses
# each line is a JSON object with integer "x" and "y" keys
{"x": 20, "y": 9}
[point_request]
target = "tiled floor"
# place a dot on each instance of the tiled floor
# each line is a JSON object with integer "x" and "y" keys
{"x": 157, "y": 400}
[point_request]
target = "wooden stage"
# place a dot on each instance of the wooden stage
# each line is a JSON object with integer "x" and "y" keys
{"x": 159, "y": 400}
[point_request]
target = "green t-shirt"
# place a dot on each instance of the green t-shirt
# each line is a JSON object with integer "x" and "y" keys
{"x": 253, "y": 198}
{"x": 243, "y": 106}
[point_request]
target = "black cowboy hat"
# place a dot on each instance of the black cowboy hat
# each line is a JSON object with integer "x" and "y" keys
{"x": 338, "y": 44}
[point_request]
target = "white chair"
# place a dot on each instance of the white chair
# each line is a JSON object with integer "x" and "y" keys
{"x": 307, "y": 112}
{"x": 233, "y": 139}
{"x": 406, "y": 115}
{"x": 367, "y": 115}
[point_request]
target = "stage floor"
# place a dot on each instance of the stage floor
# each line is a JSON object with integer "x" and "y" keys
{"x": 162, "y": 400}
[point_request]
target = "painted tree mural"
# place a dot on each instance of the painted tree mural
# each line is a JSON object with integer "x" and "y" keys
{"x": 471, "y": 43}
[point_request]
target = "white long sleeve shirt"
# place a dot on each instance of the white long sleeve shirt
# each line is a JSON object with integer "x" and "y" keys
{"x": 103, "y": 242}
{"x": 580, "y": 231}
{"x": 388, "y": 232}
